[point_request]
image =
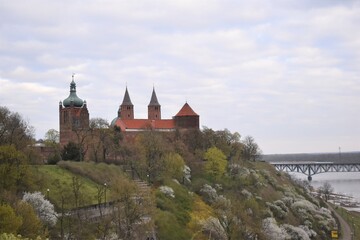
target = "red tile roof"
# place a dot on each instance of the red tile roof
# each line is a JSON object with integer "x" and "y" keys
{"x": 186, "y": 110}
{"x": 134, "y": 124}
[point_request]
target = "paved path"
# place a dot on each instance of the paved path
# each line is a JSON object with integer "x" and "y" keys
{"x": 345, "y": 227}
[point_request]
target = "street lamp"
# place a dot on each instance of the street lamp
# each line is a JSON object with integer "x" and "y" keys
{"x": 105, "y": 185}
{"x": 47, "y": 193}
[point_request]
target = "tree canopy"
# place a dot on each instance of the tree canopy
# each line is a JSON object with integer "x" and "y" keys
{"x": 14, "y": 130}
{"x": 216, "y": 162}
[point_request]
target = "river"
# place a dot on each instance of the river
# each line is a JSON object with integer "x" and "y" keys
{"x": 343, "y": 182}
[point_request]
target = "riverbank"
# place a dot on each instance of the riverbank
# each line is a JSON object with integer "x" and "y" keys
{"x": 345, "y": 201}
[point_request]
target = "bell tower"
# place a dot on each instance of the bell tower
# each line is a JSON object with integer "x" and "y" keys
{"x": 73, "y": 115}
{"x": 154, "y": 108}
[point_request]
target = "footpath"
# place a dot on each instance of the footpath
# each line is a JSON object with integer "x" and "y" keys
{"x": 344, "y": 226}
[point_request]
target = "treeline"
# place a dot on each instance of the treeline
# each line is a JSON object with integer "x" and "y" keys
{"x": 154, "y": 157}
{"x": 194, "y": 184}
{"x": 150, "y": 153}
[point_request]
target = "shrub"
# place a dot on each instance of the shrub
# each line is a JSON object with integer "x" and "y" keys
{"x": 295, "y": 233}
{"x": 208, "y": 193}
{"x": 168, "y": 191}
{"x": 272, "y": 230}
{"x": 276, "y": 210}
{"x": 54, "y": 159}
{"x": 212, "y": 227}
{"x": 168, "y": 227}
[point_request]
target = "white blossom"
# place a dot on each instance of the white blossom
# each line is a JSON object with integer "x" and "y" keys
{"x": 213, "y": 226}
{"x": 209, "y": 193}
{"x": 187, "y": 173}
{"x": 168, "y": 191}
{"x": 295, "y": 233}
{"x": 311, "y": 233}
{"x": 272, "y": 230}
{"x": 246, "y": 193}
{"x": 43, "y": 208}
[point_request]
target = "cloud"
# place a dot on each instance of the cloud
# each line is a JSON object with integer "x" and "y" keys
{"x": 286, "y": 72}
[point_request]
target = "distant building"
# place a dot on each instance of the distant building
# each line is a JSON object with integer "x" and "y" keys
{"x": 74, "y": 117}
{"x": 186, "y": 118}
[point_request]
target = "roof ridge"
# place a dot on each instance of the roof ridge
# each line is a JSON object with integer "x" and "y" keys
{"x": 186, "y": 110}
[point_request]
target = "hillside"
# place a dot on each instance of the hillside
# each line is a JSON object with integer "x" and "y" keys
{"x": 176, "y": 185}
{"x": 259, "y": 201}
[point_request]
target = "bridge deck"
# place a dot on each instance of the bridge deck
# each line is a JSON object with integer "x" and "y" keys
{"x": 312, "y": 168}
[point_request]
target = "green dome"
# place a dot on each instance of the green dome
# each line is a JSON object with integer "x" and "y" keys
{"x": 114, "y": 121}
{"x": 73, "y": 99}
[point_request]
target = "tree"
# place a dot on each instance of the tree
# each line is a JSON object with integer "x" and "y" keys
{"x": 173, "y": 166}
{"x": 152, "y": 148}
{"x": 133, "y": 209}
{"x": 72, "y": 151}
{"x": 216, "y": 162}
{"x": 326, "y": 189}
{"x": 43, "y": 208}
{"x": 9, "y": 222}
{"x": 251, "y": 150}
{"x": 52, "y": 137}
{"x": 100, "y": 138}
{"x": 14, "y": 173}
{"x": 14, "y": 130}
{"x": 31, "y": 226}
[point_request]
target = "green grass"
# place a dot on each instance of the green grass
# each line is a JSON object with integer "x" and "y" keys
{"x": 352, "y": 218}
{"x": 59, "y": 181}
{"x": 98, "y": 172}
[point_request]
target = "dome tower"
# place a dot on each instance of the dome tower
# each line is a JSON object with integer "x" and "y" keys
{"x": 73, "y": 116}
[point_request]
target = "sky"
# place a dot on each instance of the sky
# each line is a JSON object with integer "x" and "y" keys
{"x": 285, "y": 72}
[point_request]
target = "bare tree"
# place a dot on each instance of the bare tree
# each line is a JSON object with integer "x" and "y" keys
{"x": 52, "y": 137}
{"x": 251, "y": 150}
{"x": 100, "y": 138}
{"x": 326, "y": 190}
{"x": 14, "y": 130}
{"x": 133, "y": 209}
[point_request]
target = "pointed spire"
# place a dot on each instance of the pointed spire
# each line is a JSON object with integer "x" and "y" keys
{"x": 154, "y": 101}
{"x": 73, "y": 84}
{"x": 127, "y": 100}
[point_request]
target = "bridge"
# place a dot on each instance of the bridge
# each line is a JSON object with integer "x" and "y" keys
{"x": 312, "y": 168}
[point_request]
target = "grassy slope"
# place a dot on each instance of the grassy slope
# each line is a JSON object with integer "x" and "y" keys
{"x": 59, "y": 181}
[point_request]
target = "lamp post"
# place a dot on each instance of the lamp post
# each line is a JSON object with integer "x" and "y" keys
{"x": 105, "y": 185}
{"x": 47, "y": 193}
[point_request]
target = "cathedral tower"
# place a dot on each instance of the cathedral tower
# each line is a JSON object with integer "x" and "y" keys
{"x": 126, "y": 110}
{"x": 154, "y": 108}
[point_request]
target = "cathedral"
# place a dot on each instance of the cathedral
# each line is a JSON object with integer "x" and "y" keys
{"x": 186, "y": 118}
{"x": 74, "y": 117}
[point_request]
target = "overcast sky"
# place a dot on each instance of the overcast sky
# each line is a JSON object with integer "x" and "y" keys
{"x": 285, "y": 72}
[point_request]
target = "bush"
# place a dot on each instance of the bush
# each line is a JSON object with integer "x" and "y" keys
{"x": 168, "y": 227}
{"x": 54, "y": 159}
{"x": 179, "y": 206}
